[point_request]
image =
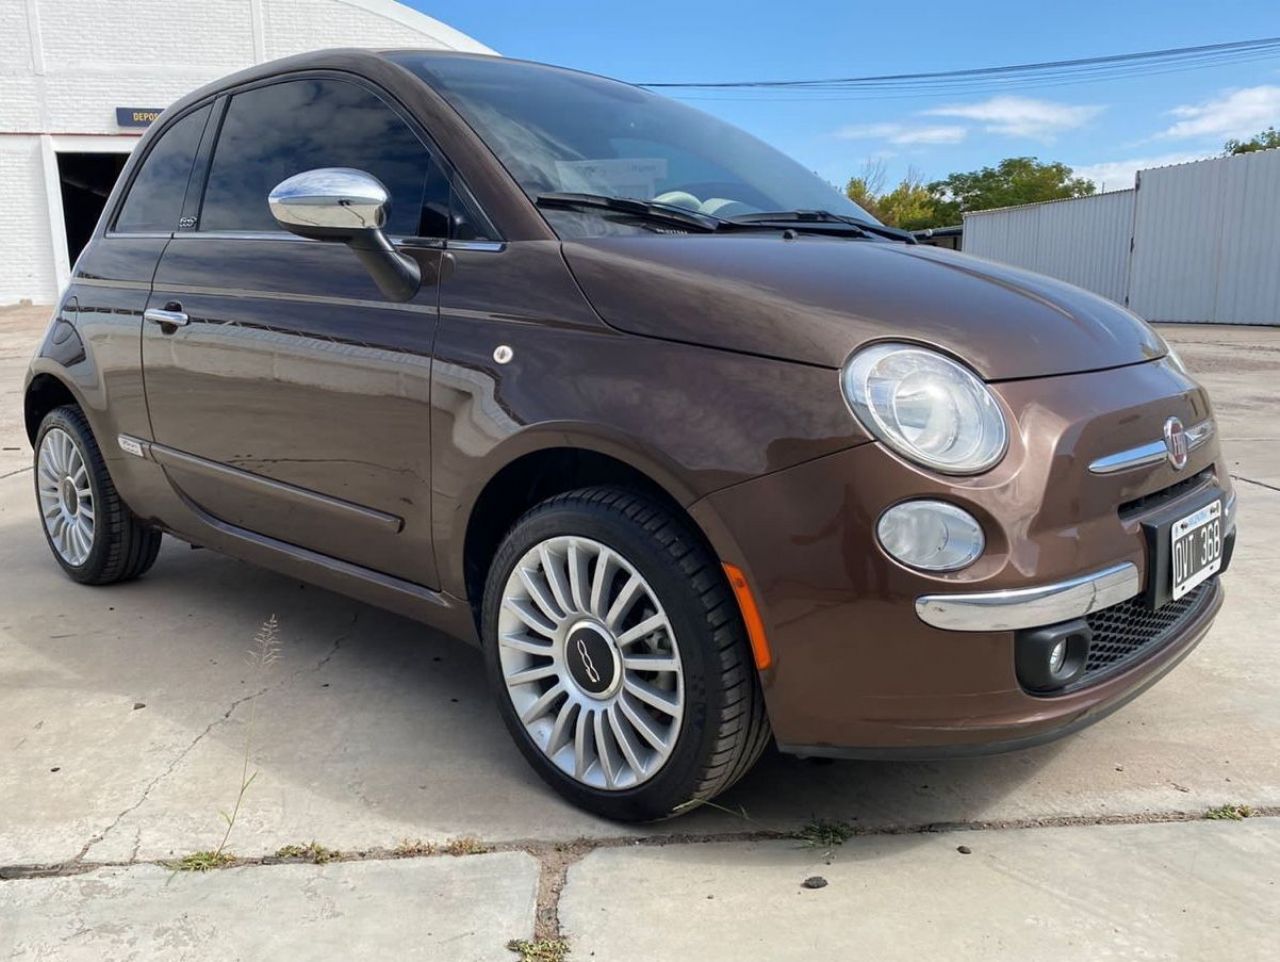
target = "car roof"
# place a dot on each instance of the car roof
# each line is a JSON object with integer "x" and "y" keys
{"x": 373, "y": 63}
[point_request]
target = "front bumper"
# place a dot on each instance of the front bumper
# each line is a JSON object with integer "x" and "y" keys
{"x": 997, "y": 737}
{"x": 872, "y": 659}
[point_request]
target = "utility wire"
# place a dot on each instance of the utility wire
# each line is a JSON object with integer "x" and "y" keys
{"x": 1081, "y": 70}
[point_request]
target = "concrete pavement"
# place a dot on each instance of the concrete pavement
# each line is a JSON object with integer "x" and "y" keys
{"x": 1241, "y": 368}
{"x": 124, "y": 714}
{"x": 430, "y": 909}
{"x": 20, "y": 331}
{"x": 1200, "y": 890}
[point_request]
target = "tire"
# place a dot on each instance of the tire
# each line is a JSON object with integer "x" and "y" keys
{"x": 109, "y": 544}
{"x": 673, "y": 736}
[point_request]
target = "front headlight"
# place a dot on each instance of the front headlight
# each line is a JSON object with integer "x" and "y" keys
{"x": 926, "y": 407}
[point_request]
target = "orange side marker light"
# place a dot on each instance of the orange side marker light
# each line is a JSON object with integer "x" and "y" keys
{"x": 750, "y": 615}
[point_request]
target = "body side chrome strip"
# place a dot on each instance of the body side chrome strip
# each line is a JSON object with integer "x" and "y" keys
{"x": 489, "y": 246}
{"x": 1031, "y": 607}
{"x": 1150, "y": 453}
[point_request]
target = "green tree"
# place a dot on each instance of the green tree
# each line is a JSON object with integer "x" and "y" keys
{"x": 866, "y": 188}
{"x": 860, "y": 192}
{"x": 1263, "y": 140}
{"x": 1014, "y": 181}
{"x": 909, "y": 205}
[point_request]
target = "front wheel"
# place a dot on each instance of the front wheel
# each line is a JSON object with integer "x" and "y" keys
{"x": 619, "y": 657}
{"x": 92, "y": 533}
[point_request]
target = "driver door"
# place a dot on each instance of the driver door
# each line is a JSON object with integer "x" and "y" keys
{"x": 291, "y": 398}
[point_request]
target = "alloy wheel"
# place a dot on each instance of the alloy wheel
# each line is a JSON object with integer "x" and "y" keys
{"x": 591, "y": 662}
{"x": 66, "y": 497}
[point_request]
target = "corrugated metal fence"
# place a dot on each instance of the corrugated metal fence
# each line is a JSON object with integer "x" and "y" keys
{"x": 1194, "y": 242}
{"x": 1084, "y": 241}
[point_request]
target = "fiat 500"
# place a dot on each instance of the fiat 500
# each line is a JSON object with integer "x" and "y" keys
{"x": 702, "y": 455}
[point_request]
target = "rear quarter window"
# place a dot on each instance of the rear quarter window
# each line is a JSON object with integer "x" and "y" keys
{"x": 154, "y": 201}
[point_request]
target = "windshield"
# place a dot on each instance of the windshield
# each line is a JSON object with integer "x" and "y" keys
{"x": 559, "y": 131}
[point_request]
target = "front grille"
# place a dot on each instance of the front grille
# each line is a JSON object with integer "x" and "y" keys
{"x": 1156, "y": 499}
{"x": 1130, "y": 630}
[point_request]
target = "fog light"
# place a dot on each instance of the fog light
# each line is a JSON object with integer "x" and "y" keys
{"x": 931, "y": 535}
{"x": 1053, "y": 657}
{"x": 1057, "y": 657}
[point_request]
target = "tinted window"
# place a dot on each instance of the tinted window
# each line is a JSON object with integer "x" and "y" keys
{"x": 559, "y": 130}
{"x": 155, "y": 199}
{"x": 271, "y": 133}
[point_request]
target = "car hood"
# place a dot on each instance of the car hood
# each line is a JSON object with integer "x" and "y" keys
{"x": 817, "y": 299}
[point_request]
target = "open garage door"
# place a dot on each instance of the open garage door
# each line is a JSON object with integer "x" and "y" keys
{"x": 86, "y": 180}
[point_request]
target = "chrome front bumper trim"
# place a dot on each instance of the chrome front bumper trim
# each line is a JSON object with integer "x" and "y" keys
{"x": 1152, "y": 453}
{"x": 1016, "y": 608}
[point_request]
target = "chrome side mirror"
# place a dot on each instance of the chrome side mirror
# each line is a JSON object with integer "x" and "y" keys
{"x": 332, "y": 202}
{"x": 347, "y": 205}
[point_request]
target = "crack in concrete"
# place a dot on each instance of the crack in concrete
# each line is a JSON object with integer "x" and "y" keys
{"x": 337, "y": 642}
{"x": 168, "y": 770}
{"x": 226, "y": 715}
{"x": 554, "y": 861}
{"x": 556, "y": 857}
{"x": 1261, "y": 484}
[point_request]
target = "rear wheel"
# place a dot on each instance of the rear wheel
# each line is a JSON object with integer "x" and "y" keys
{"x": 619, "y": 657}
{"x": 92, "y": 533}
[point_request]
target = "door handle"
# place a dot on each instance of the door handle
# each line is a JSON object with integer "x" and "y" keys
{"x": 165, "y": 318}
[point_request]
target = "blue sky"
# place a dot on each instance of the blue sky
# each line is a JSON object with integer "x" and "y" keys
{"x": 1106, "y": 130}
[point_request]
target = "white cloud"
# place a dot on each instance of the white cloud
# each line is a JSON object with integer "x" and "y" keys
{"x": 1237, "y": 113}
{"x": 1021, "y": 116}
{"x": 905, "y": 133}
{"x": 1120, "y": 174}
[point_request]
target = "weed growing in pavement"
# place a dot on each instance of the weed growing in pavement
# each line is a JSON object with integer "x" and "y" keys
{"x": 543, "y": 950}
{"x": 1231, "y": 813}
{"x": 262, "y": 657}
{"x": 825, "y": 832}
{"x": 312, "y": 852}
{"x": 466, "y": 845}
{"x": 739, "y": 812}
{"x": 201, "y": 862}
{"x": 414, "y": 847}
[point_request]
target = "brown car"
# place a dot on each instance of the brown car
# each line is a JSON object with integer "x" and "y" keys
{"x": 700, "y": 454}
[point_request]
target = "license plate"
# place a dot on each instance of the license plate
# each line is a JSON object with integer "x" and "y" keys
{"x": 1196, "y": 542}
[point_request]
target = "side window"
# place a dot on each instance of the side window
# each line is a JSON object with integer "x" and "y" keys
{"x": 273, "y": 132}
{"x": 155, "y": 198}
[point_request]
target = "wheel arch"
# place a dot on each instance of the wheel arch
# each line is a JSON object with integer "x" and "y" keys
{"x": 44, "y": 392}
{"x": 532, "y": 476}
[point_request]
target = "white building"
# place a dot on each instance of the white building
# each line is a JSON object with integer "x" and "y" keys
{"x": 76, "y": 75}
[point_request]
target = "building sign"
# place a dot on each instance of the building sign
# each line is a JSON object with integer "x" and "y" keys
{"x": 136, "y": 116}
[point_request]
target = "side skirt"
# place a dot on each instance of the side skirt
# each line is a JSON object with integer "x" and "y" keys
{"x": 438, "y": 609}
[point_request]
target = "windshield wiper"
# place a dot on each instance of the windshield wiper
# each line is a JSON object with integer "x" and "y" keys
{"x": 680, "y": 217}
{"x": 816, "y": 218}
{"x": 656, "y": 213}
